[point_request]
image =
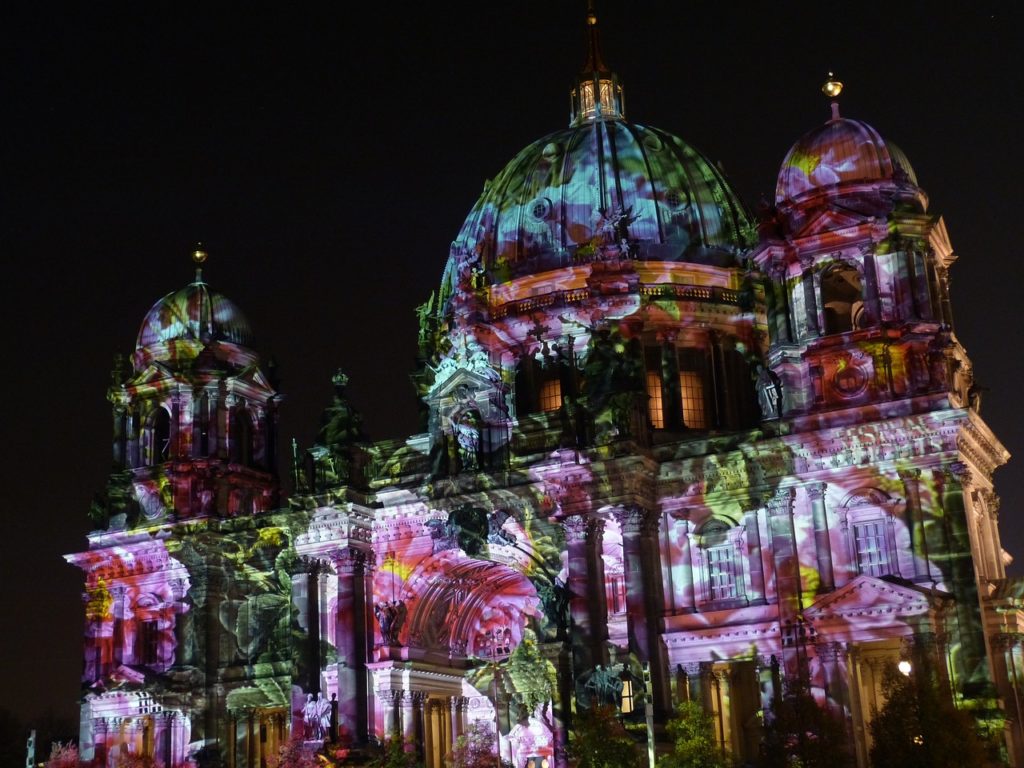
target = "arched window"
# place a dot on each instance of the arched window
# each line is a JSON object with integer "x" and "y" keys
{"x": 842, "y": 299}
{"x": 204, "y": 425}
{"x": 158, "y": 436}
{"x": 241, "y": 437}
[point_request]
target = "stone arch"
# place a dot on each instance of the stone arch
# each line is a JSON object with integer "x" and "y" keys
{"x": 453, "y": 599}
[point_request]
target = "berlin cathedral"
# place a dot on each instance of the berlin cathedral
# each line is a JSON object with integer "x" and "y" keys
{"x": 671, "y": 450}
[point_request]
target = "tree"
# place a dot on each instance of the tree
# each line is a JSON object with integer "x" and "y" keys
{"x": 693, "y": 740}
{"x": 801, "y": 732}
{"x": 599, "y": 740}
{"x": 475, "y": 749}
{"x": 921, "y": 727}
{"x": 393, "y": 754}
{"x": 63, "y": 756}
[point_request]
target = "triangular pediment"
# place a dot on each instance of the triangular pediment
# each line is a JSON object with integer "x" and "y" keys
{"x": 840, "y": 224}
{"x": 255, "y": 378}
{"x": 470, "y": 380}
{"x": 153, "y": 373}
{"x": 867, "y": 595}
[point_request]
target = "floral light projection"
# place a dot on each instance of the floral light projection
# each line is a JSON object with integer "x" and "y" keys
{"x": 660, "y": 462}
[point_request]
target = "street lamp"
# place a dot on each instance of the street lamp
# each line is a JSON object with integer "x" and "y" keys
{"x": 905, "y": 668}
{"x": 628, "y": 702}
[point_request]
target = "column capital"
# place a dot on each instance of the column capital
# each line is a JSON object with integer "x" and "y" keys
{"x": 909, "y": 473}
{"x": 815, "y": 491}
{"x": 781, "y": 502}
{"x": 580, "y": 528}
{"x": 350, "y": 561}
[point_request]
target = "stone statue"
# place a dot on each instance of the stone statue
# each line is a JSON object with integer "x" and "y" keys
{"x": 310, "y": 718}
{"x": 467, "y": 434}
{"x": 769, "y": 392}
{"x": 604, "y": 687}
{"x": 323, "y": 717}
{"x": 390, "y": 616}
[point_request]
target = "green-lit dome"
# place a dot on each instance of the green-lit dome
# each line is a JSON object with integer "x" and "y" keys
{"x": 554, "y": 203}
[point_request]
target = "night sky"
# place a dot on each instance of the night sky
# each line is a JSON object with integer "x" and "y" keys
{"x": 326, "y": 165}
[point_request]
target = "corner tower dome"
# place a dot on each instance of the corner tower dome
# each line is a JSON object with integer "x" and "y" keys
{"x": 185, "y": 322}
{"x": 601, "y": 181}
{"x": 839, "y": 153}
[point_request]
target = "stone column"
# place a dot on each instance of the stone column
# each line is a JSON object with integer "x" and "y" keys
{"x": 350, "y": 631}
{"x": 753, "y": 526}
{"x": 695, "y": 687}
{"x": 915, "y": 524}
{"x": 942, "y": 273}
{"x": 313, "y": 661}
{"x": 232, "y": 739}
{"x": 971, "y": 671}
{"x": 689, "y": 592}
{"x": 408, "y": 716}
{"x": 822, "y": 541}
{"x": 586, "y": 589}
{"x": 456, "y": 708}
{"x": 787, "y": 574}
{"x": 871, "y": 298}
{"x": 119, "y": 442}
{"x": 630, "y": 520}
{"x": 810, "y": 296}
{"x": 420, "y": 722}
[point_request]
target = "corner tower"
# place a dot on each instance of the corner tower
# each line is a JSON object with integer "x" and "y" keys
{"x": 173, "y": 578}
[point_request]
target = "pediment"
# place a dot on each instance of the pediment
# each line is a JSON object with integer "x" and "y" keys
{"x": 462, "y": 379}
{"x": 842, "y": 224}
{"x": 153, "y": 373}
{"x": 868, "y": 595}
{"x": 255, "y": 378}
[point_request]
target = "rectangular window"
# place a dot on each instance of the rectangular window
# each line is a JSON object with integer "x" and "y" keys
{"x": 872, "y": 553}
{"x": 551, "y": 395}
{"x": 615, "y": 594}
{"x": 655, "y": 411}
{"x": 721, "y": 573}
{"x": 691, "y": 390}
{"x": 147, "y": 642}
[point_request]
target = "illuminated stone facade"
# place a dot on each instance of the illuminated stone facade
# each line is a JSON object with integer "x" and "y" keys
{"x": 662, "y": 437}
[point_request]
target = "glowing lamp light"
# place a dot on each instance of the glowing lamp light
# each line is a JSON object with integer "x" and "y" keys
{"x": 199, "y": 255}
{"x": 904, "y": 667}
{"x": 832, "y": 87}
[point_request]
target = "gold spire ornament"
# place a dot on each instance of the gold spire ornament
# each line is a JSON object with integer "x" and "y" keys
{"x": 199, "y": 255}
{"x": 832, "y": 87}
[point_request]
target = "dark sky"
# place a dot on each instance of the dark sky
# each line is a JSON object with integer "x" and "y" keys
{"x": 327, "y": 164}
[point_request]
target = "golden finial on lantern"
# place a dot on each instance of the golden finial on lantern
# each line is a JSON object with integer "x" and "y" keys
{"x": 199, "y": 256}
{"x": 832, "y": 87}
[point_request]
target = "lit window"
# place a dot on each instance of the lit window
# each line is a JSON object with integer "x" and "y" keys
{"x": 551, "y": 395}
{"x": 654, "y": 406}
{"x": 872, "y": 552}
{"x": 691, "y": 389}
{"x": 721, "y": 573}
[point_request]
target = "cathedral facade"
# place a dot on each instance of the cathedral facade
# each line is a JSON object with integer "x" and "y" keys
{"x": 670, "y": 451}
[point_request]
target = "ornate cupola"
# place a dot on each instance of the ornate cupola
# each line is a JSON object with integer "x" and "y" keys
{"x": 859, "y": 308}
{"x": 194, "y": 417}
{"x": 597, "y": 94}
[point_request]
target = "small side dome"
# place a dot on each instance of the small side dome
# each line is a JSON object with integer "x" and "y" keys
{"x": 185, "y": 322}
{"x": 194, "y": 313}
{"x": 839, "y": 152}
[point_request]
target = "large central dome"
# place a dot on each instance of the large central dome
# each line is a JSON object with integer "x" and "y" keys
{"x": 601, "y": 188}
{"x": 602, "y": 180}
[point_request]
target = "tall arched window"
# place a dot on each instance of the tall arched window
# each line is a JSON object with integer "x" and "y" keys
{"x": 241, "y": 437}
{"x": 204, "y": 425}
{"x": 842, "y": 299}
{"x": 158, "y": 437}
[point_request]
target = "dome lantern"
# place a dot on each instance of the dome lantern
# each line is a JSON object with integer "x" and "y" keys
{"x": 598, "y": 93}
